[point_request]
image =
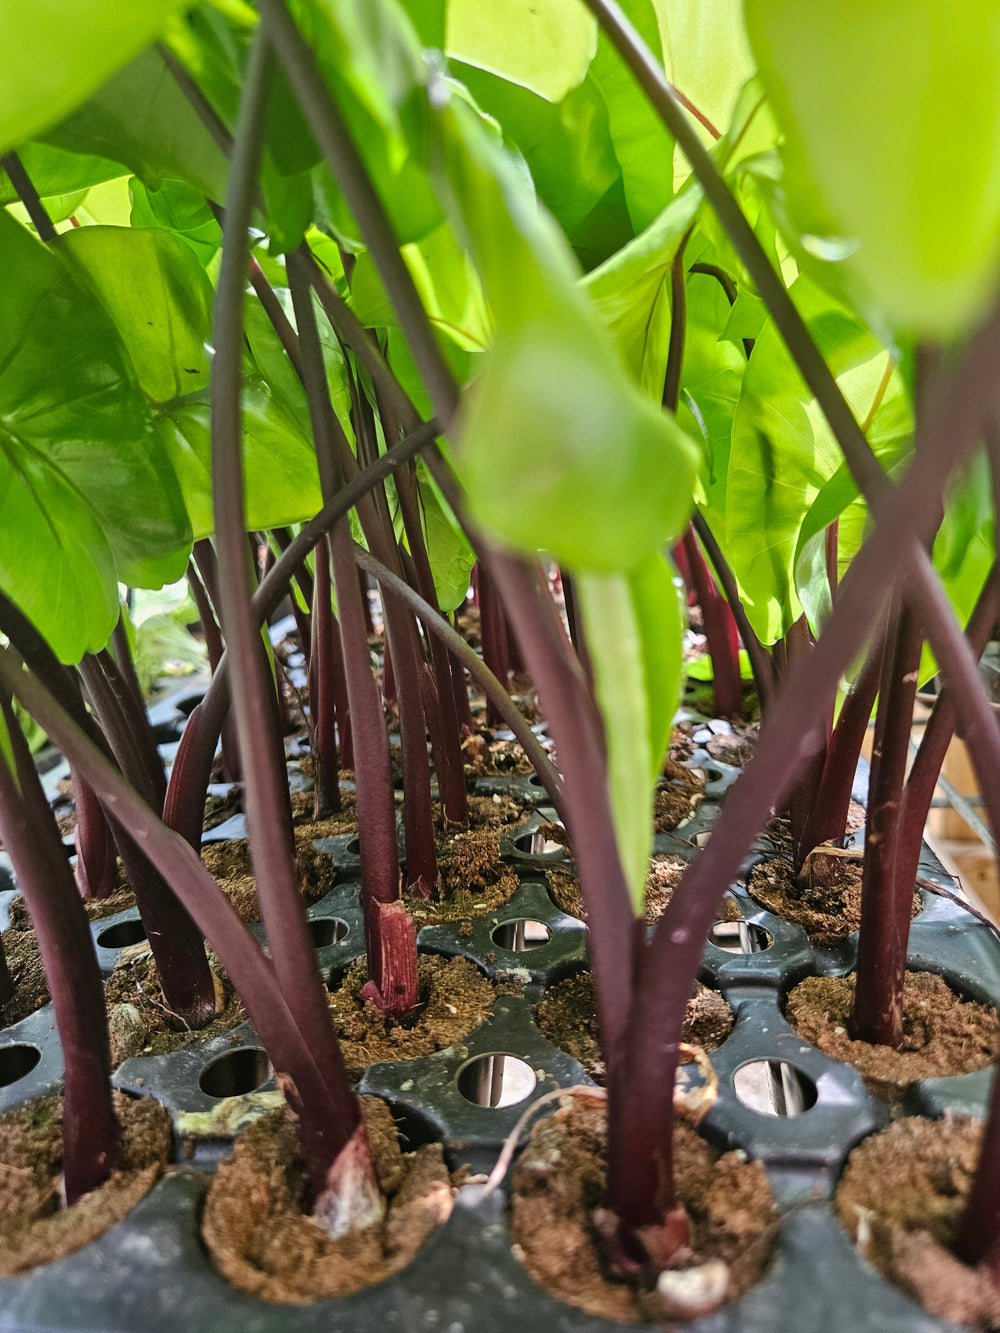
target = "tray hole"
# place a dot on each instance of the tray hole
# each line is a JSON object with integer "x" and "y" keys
{"x": 122, "y": 935}
{"x": 740, "y": 937}
{"x": 537, "y": 844}
{"x": 234, "y": 1073}
{"x": 496, "y": 1080}
{"x": 520, "y": 935}
{"x": 774, "y": 1087}
{"x": 16, "y": 1062}
{"x": 327, "y": 930}
{"x": 354, "y": 847}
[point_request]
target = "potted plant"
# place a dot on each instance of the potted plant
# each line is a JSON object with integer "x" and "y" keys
{"x": 412, "y": 291}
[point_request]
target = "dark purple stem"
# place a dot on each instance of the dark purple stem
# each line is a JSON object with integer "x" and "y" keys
{"x": 265, "y": 793}
{"x": 885, "y": 899}
{"x": 29, "y": 833}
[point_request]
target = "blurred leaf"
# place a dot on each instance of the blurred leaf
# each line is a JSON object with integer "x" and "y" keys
{"x": 892, "y": 114}
{"x": 57, "y": 54}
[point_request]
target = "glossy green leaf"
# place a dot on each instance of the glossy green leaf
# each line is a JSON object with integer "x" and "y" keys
{"x": 140, "y": 117}
{"x": 57, "y": 54}
{"x": 450, "y": 555}
{"x": 88, "y": 497}
{"x": 630, "y": 290}
{"x": 643, "y": 147}
{"x": 544, "y": 45}
{"x": 892, "y": 113}
{"x": 567, "y": 147}
{"x": 159, "y": 297}
{"x": 53, "y": 172}
{"x": 783, "y": 452}
{"x": 180, "y": 208}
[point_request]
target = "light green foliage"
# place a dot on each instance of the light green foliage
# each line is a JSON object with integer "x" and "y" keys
{"x": 450, "y": 555}
{"x": 634, "y": 639}
{"x": 892, "y": 113}
{"x": 544, "y": 45}
{"x": 783, "y": 453}
{"x": 88, "y": 496}
{"x": 159, "y": 638}
{"x": 56, "y": 53}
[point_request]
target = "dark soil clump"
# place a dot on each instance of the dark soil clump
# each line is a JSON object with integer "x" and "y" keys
{"x": 261, "y": 1241}
{"x": 942, "y": 1034}
{"x": 567, "y": 1016}
{"x": 901, "y": 1198}
{"x": 34, "y": 1226}
{"x": 455, "y": 997}
{"x": 560, "y": 1180}
{"x": 825, "y": 900}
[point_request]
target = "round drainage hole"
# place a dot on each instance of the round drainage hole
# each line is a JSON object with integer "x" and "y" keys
{"x": 537, "y": 844}
{"x": 123, "y": 934}
{"x": 16, "y": 1061}
{"x": 773, "y": 1087}
{"x": 740, "y": 937}
{"x": 496, "y": 1080}
{"x": 520, "y": 935}
{"x": 327, "y": 930}
{"x": 354, "y": 847}
{"x": 234, "y": 1073}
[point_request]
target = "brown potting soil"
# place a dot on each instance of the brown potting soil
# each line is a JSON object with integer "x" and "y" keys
{"x": 139, "y": 1022}
{"x": 230, "y": 865}
{"x": 560, "y": 1180}
{"x": 220, "y": 808}
{"x": 567, "y": 1016}
{"x": 825, "y": 900}
{"x": 734, "y": 747}
{"x": 901, "y": 1198}
{"x": 261, "y": 1241}
{"x": 664, "y": 875}
{"x": 677, "y": 797}
{"x": 24, "y": 961}
{"x": 942, "y": 1033}
{"x": 474, "y": 880}
{"x": 455, "y": 997}
{"x": 34, "y": 1226}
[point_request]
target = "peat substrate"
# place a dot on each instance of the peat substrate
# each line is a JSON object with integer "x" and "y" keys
{"x": 560, "y": 1180}
{"x": 942, "y": 1033}
{"x": 901, "y": 1198}
{"x": 825, "y": 899}
{"x": 567, "y": 1016}
{"x": 455, "y": 998}
{"x": 35, "y": 1227}
{"x": 260, "y": 1239}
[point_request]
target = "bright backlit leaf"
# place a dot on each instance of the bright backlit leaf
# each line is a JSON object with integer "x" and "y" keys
{"x": 892, "y": 113}
{"x": 545, "y": 45}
